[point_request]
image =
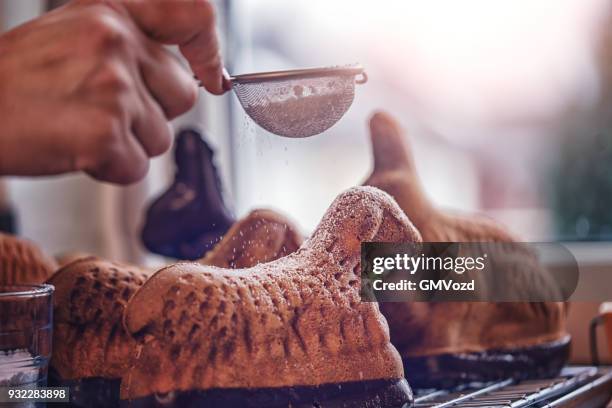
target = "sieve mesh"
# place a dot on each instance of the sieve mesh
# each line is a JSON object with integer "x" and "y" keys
{"x": 297, "y": 107}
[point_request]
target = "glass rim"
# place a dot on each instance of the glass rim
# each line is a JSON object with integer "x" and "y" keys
{"x": 26, "y": 290}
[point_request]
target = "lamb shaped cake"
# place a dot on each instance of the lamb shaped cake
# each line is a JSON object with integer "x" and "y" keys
{"x": 91, "y": 347}
{"x": 461, "y": 341}
{"x": 291, "y": 332}
{"x": 22, "y": 262}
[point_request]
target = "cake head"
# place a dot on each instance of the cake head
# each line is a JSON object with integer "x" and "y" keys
{"x": 261, "y": 236}
{"x": 22, "y": 262}
{"x": 295, "y": 321}
{"x": 89, "y": 300}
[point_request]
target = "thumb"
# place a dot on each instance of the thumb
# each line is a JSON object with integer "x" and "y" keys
{"x": 190, "y": 24}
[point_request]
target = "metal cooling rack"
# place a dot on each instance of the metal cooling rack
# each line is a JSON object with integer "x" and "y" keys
{"x": 587, "y": 387}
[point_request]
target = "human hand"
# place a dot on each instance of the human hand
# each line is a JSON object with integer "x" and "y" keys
{"x": 90, "y": 87}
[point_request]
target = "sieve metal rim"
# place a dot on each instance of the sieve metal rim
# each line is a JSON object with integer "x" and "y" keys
{"x": 352, "y": 70}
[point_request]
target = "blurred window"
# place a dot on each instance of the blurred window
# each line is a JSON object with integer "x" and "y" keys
{"x": 497, "y": 98}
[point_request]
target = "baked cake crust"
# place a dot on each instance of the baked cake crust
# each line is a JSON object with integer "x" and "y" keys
{"x": 420, "y": 329}
{"x": 22, "y": 262}
{"x": 88, "y": 336}
{"x": 296, "y": 321}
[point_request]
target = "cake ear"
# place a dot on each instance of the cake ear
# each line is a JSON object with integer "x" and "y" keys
{"x": 394, "y": 170}
{"x": 389, "y": 148}
{"x": 144, "y": 307}
{"x": 393, "y": 228}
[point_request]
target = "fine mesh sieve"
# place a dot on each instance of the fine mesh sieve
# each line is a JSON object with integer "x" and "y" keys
{"x": 298, "y": 103}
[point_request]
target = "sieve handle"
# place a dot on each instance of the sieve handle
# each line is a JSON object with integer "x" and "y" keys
{"x": 353, "y": 70}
